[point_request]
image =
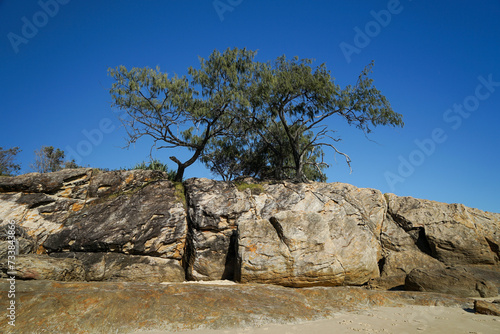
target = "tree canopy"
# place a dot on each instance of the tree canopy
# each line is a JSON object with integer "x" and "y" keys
{"x": 243, "y": 117}
{"x": 181, "y": 111}
{"x": 49, "y": 159}
{"x": 7, "y": 165}
{"x": 296, "y": 99}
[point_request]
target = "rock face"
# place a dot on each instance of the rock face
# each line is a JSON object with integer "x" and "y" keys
{"x": 123, "y": 225}
{"x": 213, "y": 208}
{"x": 457, "y": 281}
{"x": 127, "y": 307}
{"x": 452, "y": 233}
{"x": 484, "y": 307}
{"x": 44, "y": 267}
{"x": 326, "y": 236}
{"x": 138, "y": 226}
{"x": 285, "y": 233}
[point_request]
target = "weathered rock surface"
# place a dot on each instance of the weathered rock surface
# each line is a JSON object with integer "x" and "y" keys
{"x": 88, "y": 211}
{"x": 137, "y": 226}
{"x": 43, "y": 267}
{"x": 285, "y": 233}
{"x": 146, "y": 221}
{"x": 452, "y": 280}
{"x": 110, "y": 307}
{"x": 484, "y": 307}
{"x": 125, "y": 268}
{"x": 452, "y": 233}
{"x": 213, "y": 208}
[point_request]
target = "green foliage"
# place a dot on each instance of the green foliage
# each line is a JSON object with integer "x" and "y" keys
{"x": 292, "y": 102}
{"x": 255, "y": 188}
{"x": 180, "y": 193}
{"x": 183, "y": 112}
{"x": 283, "y": 132}
{"x": 71, "y": 164}
{"x": 241, "y": 155}
{"x": 7, "y": 165}
{"x": 156, "y": 165}
{"x": 49, "y": 159}
{"x": 242, "y": 117}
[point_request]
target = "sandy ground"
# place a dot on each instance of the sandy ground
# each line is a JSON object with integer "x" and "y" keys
{"x": 409, "y": 319}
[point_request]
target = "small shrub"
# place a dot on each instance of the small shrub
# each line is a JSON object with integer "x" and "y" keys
{"x": 255, "y": 189}
{"x": 158, "y": 166}
{"x": 180, "y": 193}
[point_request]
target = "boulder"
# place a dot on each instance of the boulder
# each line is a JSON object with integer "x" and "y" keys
{"x": 43, "y": 267}
{"x": 457, "y": 281}
{"x": 484, "y": 307}
{"x": 311, "y": 234}
{"x": 284, "y": 233}
{"x": 146, "y": 221}
{"x": 42, "y": 203}
{"x": 306, "y": 249}
{"x": 126, "y": 268}
{"x": 130, "y": 307}
{"x": 122, "y": 213}
{"x": 452, "y": 233}
{"x": 401, "y": 254}
{"x": 395, "y": 266}
{"x": 213, "y": 208}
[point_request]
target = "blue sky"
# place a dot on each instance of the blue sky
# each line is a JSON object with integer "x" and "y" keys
{"x": 436, "y": 61}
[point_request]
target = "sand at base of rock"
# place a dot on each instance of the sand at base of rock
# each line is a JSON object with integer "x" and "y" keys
{"x": 409, "y": 319}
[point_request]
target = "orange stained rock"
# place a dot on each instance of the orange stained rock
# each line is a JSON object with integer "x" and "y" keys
{"x": 129, "y": 178}
{"x": 41, "y": 250}
{"x": 65, "y": 193}
{"x": 77, "y": 206}
{"x": 252, "y": 248}
{"x": 90, "y": 301}
{"x": 178, "y": 250}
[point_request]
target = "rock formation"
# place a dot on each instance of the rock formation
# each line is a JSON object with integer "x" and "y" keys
{"x": 130, "y": 307}
{"x": 85, "y": 224}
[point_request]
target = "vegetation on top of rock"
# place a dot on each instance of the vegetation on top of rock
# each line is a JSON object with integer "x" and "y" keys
{"x": 255, "y": 188}
{"x": 180, "y": 193}
{"x": 49, "y": 159}
{"x": 243, "y": 117}
{"x": 7, "y": 165}
{"x": 157, "y": 165}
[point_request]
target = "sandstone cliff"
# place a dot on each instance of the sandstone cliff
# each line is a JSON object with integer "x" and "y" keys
{"x": 85, "y": 224}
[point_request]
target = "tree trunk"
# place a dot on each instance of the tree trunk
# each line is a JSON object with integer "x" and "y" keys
{"x": 181, "y": 167}
{"x": 299, "y": 174}
{"x": 180, "y": 173}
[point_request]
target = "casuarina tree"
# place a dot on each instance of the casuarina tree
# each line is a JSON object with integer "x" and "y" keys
{"x": 298, "y": 100}
{"x": 184, "y": 112}
{"x": 7, "y": 165}
{"x": 243, "y": 117}
{"x": 49, "y": 159}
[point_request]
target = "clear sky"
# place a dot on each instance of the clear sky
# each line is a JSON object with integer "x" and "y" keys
{"x": 438, "y": 63}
